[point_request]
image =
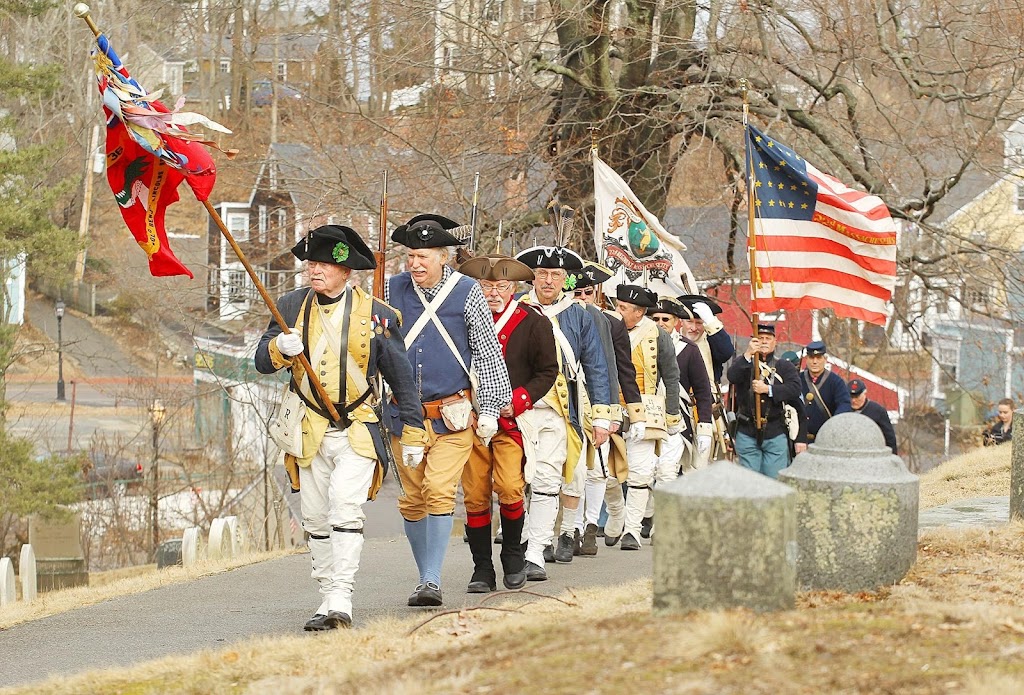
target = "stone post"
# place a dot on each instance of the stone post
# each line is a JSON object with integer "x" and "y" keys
{"x": 27, "y": 571}
{"x": 8, "y": 593}
{"x": 726, "y": 537}
{"x": 1017, "y": 468}
{"x": 190, "y": 546}
{"x": 857, "y": 508}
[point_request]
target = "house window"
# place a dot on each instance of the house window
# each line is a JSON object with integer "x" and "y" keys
{"x": 225, "y": 66}
{"x": 238, "y": 225}
{"x": 1020, "y": 197}
{"x": 235, "y": 284}
{"x": 529, "y": 11}
{"x": 263, "y": 224}
{"x": 174, "y": 80}
{"x": 282, "y": 72}
{"x": 975, "y": 297}
{"x": 282, "y": 226}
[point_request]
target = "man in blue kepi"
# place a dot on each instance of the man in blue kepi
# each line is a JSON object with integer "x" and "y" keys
{"x": 825, "y": 393}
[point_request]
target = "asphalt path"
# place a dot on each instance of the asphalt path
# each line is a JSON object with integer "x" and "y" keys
{"x": 269, "y": 598}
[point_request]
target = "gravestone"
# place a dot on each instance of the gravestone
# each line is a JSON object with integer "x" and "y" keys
{"x": 190, "y": 546}
{"x": 726, "y": 538}
{"x": 1017, "y": 468}
{"x": 27, "y": 572}
{"x": 237, "y": 535}
{"x": 221, "y": 543}
{"x": 857, "y": 507}
{"x": 57, "y": 544}
{"x": 8, "y": 592}
{"x": 56, "y": 538}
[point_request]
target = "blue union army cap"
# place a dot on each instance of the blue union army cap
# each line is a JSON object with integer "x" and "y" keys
{"x": 816, "y": 348}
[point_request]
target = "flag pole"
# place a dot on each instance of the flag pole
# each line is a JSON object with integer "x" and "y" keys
{"x": 759, "y": 420}
{"x": 599, "y": 288}
{"x": 81, "y": 10}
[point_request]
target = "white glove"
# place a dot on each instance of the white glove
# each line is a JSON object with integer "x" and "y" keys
{"x": 486, "y": 427}
{"x": 703, "y": 443}
{"x": 674, "y": 429}
{"x": 289, "y": 344}
{"x": 703, "y": 311}
{"x": 636, "y": 431}
{"x": 412, "y": 456}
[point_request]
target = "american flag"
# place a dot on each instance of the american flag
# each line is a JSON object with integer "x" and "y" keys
{"x": 819, "y": 243}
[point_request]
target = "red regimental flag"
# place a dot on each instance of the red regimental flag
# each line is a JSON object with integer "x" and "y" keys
{"x": 143, "y": 187}
{"x": 148, "y": 155}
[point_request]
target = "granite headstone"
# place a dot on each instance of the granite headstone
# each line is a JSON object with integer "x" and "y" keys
{"x": 857, "y": 508}
{"x": 726, "y": 538}
{"x": 8, "y": 590}
{"x": 27, "y": 574}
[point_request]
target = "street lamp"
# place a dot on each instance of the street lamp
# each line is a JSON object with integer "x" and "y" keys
{"x": 59, "y": 310}
{"x": 157, "y": 411}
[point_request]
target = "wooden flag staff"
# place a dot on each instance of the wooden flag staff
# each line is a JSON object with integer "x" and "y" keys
{"x": 759, "y": 419}
{"x": 81, "y": 10}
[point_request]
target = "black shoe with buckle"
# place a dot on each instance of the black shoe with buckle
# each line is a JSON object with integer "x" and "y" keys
{"x": 482, "y": 582}
{"x": 588, "y": 548}
{"x": 564, "y": 551}
{"x": 535, "y": 573}
{"x": 610, "y": 541}
{"x": 646, "y": 524}
{"x": 316, "y": 623}
{"x": 629, "y": 542}
{"x": 336, "y": 619}
{"x": 428, "y": 594}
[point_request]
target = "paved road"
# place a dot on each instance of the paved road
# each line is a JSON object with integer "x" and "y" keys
{"x": 269, "y": 598}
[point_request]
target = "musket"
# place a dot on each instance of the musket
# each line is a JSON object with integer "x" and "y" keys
{"x": 378, "y": 384}
{"x": 472, "y": 214}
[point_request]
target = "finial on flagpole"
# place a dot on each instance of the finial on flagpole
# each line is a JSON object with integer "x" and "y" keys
{"x": 744, "y": 88}
{"x": 593, "y": 137}
{"x": 81, "y": 11}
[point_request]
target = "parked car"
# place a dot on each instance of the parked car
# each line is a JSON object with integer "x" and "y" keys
{"x": 262, "y": 93}
{"x": 105, "y": 473}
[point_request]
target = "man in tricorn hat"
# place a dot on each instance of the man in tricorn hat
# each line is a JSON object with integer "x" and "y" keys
{"x": 689, "y": 448}
{"x": 654, "y": 357}
{"x": 528, "y": 344}
{"x": 824, "y": 392}
{"x": 586, "y": 286}
{"x": 762, "y": 446}
{"x": 451, "y": 343}
{"x": 561, "y": 415}
{"x": 349, "y": 338}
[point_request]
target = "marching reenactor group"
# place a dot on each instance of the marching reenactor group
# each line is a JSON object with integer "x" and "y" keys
{"x": 515, "y": 378}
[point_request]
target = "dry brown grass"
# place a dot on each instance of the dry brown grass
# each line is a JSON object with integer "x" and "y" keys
{"x": 984, "y": 472}
{"x": 131, "y": 581}
{"x": 955, "y": 625}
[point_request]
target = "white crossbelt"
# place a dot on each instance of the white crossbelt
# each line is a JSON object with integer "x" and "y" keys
{"x": 430, "y": 314}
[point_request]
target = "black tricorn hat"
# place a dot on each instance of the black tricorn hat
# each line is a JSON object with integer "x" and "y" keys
{"x": 551, "y": 257}
{"x": 495, "y": 267}
{"x": 334, "y": 243}
{"x": 690, "y": 299}
{"x": 668, "y": 305}
{"x": 635, "y": 294}
{"x": 591, "y": 275}
{"x": 428, "y": 232}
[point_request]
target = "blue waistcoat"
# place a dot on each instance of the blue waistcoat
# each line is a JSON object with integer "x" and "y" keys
{"x": 436, "y": 371}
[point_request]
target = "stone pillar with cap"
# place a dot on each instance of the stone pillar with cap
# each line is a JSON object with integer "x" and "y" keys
{"x": 857, "y": 508}
{"x": 1017, "y": 468}
{"x": 726, "y": 538}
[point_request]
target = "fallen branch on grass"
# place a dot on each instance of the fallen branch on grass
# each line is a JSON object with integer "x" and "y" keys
{"x": 481, "y": 607}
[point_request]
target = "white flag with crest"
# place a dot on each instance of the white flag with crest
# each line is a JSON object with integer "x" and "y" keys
{"x": 632, "y": 242}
